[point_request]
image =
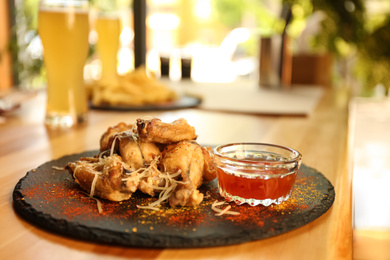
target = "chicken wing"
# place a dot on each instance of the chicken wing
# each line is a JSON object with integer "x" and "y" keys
{"x": 109, "y": 135}
{"x": 188, "y": 158}
{"x": 150, "y": 156}
{"x": 210, "y": 169}
{"x": 156, "y": 131}
{"x": 137, "y": 154}
{"x": 152, "y": 183}
{"x": 103, "y": 177}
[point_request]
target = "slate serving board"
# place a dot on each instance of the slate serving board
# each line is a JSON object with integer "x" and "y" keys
{"x": 185, "y": 101}
{"x": 50, "y": 199}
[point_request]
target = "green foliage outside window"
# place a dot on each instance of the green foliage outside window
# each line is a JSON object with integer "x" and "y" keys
{"x": 348, "y": 29}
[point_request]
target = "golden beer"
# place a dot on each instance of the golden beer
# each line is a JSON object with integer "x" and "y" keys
{"x": 108, "y": 28}
{"x": 64, "y": 33}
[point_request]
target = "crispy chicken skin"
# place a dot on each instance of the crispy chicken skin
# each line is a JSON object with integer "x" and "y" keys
{"x": 147, "y": 156}
{"x": 109, "y": 135}
{"x": 209, "y": 169}
{"x": 188, "y": 158}
{"x": 146, "y": 184}
{"x": 156, "y": 131}
{"x": 137, "y": 154}
{"x": 109, "y": 171}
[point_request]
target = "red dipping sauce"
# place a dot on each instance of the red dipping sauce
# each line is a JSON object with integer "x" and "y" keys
{"x": 256, "y": 173}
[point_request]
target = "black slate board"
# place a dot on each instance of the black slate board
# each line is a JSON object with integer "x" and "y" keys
{"x": 185, "y": 101}
{"x": 49, "y": 198}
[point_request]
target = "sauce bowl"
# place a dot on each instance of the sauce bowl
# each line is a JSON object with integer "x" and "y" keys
{"x": 256, "y": 173}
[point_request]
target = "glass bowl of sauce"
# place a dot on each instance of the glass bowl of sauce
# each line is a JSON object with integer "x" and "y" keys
{"x": 256, "y": 173}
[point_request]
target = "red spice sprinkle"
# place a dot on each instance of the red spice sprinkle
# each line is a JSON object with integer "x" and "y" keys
{"x": 71, "y": 203}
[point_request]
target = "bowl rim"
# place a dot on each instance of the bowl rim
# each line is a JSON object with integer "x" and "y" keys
{"x": 297, "y": 155}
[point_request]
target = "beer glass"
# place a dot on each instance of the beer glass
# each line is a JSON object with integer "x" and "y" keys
{"x": 63, "y": 27}
{"x": 108, "y": 28}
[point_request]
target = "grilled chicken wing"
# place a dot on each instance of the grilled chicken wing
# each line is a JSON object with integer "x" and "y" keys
{"x": 188, "y": 158}
{"x": 165, "y": 133}
{"x": 103, "y": 177}
{"x": 150, "y": 156}
{"x": 137, "y": 154}
{"x": 109, "y": 135}
{"x": 209, "y": 169}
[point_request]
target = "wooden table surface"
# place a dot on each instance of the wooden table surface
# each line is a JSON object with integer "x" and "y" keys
{"x": 322, "y": 138}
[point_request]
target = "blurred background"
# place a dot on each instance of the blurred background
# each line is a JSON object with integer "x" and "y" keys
{"x": 333, "y": 42}
{"x": 342, "y": 44}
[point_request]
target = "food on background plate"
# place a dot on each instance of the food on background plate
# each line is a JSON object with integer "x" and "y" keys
{"x": 136, "y": 88}
{"x": 156, "y": 158}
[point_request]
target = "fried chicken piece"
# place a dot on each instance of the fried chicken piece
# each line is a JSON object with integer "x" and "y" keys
{"x": 210, "y": 169}
{"x": 141, "y": 155}
{"x": 185, "y": 196}
{"x": 188, "y": 158}
{"x": 108, "y": 172}
{"x": 147, "y": 185}
{"x": 136, "y": 162}
{"x": 155, "y": 131}
{"x": 109, "y": 135}
{"x": 137, "y": 154}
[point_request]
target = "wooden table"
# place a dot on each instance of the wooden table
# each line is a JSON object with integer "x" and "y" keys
{"x": 322, "y": 139}
{"x": 370, "y": 123}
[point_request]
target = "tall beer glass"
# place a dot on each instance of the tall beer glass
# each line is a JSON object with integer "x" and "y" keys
{"x": 108, "y": 27}
{"x": 63, "y": 27}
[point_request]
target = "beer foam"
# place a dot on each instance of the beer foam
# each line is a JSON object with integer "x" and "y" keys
{"x": 109, "y": 15}
{"x": 62, "y": 10}
{"x": 64, "y": 6}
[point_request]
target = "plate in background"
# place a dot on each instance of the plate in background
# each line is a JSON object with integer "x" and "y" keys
{"x": 185, "y": 101}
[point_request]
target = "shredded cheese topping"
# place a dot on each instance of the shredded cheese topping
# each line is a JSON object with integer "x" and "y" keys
{"x": 149, "y": 176}
{"x": 58, "y": 168}
{"x": 141, "y": 175}
{"x": 224, "y": 211}
{"x": 166, "y": 191}
{"x": 99, "y": 204}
